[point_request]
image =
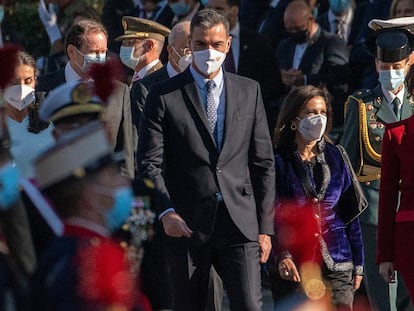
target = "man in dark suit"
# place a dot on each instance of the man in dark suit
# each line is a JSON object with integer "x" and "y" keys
{"x": 86, "y": 43}
{"x": 220, "y": 185}
{"x": 343, "y": 19}
{"x": 251, "y": 56}
{"x": 313, "y": 56}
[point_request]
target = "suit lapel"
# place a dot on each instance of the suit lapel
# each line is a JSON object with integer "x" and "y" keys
{"x": 196, "y": 102}
{"x": 232, "y": 99}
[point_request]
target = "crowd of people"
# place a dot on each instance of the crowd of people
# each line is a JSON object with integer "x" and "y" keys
{"x": 168, "y": 154}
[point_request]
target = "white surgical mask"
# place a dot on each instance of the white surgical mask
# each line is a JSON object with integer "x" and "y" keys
{"x": 391, "y": 79}
{"x": 126, "y": 54}
{"x": 19, "y": 96}
{"x": 208, "y": 61}
{"x": 91, "y": 58}
{"x": 313, "y": 127}
{"x": 183, "y": 61}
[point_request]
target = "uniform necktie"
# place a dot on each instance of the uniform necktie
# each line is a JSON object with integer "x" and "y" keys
{"x": 229, "y": 64}
{"x": 396, "y": 103}
{"x": 211, "y": 106}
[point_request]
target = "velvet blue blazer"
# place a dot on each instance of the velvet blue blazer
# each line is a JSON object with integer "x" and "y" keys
{"x": 341, "y": 245}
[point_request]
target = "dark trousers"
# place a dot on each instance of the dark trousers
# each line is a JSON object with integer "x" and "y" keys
{"x": 235, "y": 258}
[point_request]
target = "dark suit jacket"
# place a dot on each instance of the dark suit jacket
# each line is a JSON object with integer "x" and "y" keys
{"x": 51, "y": 80}
{"x": 271, "y": 24}
{"x": 325, "y": 61}
{"x": 139, "y": 92}
{"x": 257, "y": 61}
{"x": 178, "y": 153}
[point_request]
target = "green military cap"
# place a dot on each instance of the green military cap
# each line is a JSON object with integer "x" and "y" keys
{"x": 141, "y": 28}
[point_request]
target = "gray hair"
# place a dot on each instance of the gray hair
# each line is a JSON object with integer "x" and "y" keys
{"x": 178, "y": 29}
{"x": 208, "y": 18}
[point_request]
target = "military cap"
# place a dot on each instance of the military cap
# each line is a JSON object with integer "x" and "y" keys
{"x": 393, "y": 23}
{"x": 141, "y": 28}
{"x": 403, "y": 25}
{"x": 70, "y": 99}
{"x": 392, "y": 46}
{"x": 75, "y": 154}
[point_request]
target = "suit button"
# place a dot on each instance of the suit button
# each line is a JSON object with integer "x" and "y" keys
{"x": 315, "y": 200}
{"x": 368, "y": 183}
{"x": 218, "y": 170}
{"x": 377, "y": 138}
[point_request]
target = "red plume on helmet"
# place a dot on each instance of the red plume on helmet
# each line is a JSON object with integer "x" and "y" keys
{"x": 105, "y": 76}
{"x": 8, "y": 61}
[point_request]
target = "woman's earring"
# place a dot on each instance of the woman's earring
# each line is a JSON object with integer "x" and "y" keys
{"x": 293, "y": 126}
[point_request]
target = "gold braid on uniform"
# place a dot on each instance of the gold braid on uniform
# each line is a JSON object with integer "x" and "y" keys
{"x": 364, "y": 131}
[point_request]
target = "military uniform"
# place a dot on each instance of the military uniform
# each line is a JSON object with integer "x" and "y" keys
{"x": 366, "y": 113}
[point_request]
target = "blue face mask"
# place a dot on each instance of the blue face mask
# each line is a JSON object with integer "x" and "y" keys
{"x": 391, "y": 79}
{"x": 339, "y": 7}
{"x": 180, "y": 8}
{"x": 91, "y": 58}
{"x": 121, "y": 209}
{"x": 1, "y": 13}
{"x": 9, "y": 186}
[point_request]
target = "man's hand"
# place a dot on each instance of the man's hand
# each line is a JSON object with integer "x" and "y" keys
{"x": 175, "y": 226}
{"x": 386, "y": 269}
{"x": 292, "y": 77}
{"x": 265, "y": 244}
{"x": 357, "y": 282}
{"x": 49, "y": 20}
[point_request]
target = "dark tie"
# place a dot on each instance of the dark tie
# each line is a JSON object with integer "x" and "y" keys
{"x": 211, "y": 107}
{"x": 229, "y": 64}
{"x": 396, "y": 107}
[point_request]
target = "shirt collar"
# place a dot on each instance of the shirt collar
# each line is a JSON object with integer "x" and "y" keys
{"x": 70, "y": 73}
{"x": 143, "y": 71}
{"x": 390, "y": 96}
{"x": 171, "y": 71}
{"x": 201, "y": 80}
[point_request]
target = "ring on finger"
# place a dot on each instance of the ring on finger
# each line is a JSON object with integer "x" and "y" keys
{"x": 286, "y": 273}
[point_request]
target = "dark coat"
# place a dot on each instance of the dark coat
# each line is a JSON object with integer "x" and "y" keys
{"x": 177, "y": 151}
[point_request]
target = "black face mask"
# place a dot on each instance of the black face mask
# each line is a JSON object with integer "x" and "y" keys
{"x": 300, "y": 36}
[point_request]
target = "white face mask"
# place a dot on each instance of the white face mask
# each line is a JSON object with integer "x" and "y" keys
{"x": 183, "y": 61}
{"x": 126, "y": 54}
{"x": 19, "y": 96}
{"x": 313, "y": 127}
{"x": 208, "y": 61}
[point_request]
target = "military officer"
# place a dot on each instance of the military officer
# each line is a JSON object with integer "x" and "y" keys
{"x": 366, "y": 113}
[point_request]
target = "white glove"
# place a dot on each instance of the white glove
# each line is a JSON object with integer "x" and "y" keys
{"x": 49, "y": 20}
